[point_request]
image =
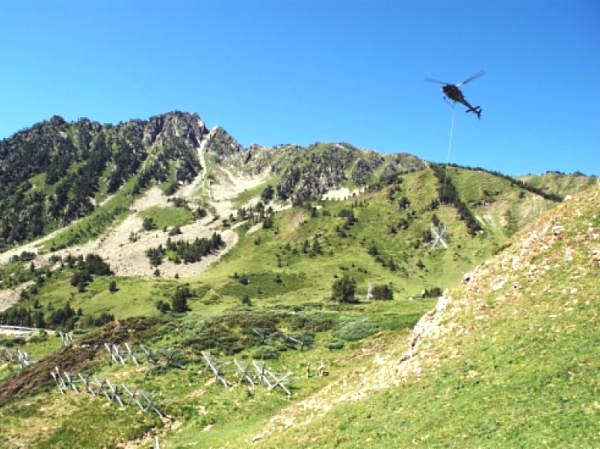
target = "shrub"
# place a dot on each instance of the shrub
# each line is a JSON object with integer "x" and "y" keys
{"x": 383, "y": 291}
{"x": 312, "y": 322}
{"x": 343, "y": 289}
{"x": 200, "y": 213}
{"x": 266, "y": 352}
{"x": 64, "y": 317}
{"x": 94, "y": 264}
{"x": 179, "y": 302}
{"x": 433, "y": 292}
{"x": 155, "y": 255}
{"x": 356, "y": 329}
{"x": 333, "y": 345}
{"x": 162, "y": 306}
{"x": 148, "y": 224}
{"x": 99, "y": 320}
{"x": 244, "y": 279}
{"x": 267, "y": 193}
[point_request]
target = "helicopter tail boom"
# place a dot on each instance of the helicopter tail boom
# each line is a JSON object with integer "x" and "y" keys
{"x": 475, "y": 110}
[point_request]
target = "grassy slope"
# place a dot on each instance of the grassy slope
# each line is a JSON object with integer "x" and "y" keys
{"x": 169, "y": 216}
{"x": 234, "y": 416}
{"x": 560, "y": 183}
{"x": 517, "y": 365}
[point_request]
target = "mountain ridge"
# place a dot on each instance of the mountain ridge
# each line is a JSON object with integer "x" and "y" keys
{"x": 55, "y": 172}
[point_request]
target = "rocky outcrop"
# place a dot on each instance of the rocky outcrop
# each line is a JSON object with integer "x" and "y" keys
{"x": 309, "y": 173}
{"x": 365, "y": 166}
{"x": 162, "y": 129}
{"x": 222, "y": 146}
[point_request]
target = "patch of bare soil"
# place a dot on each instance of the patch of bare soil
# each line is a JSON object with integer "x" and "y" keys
{"x": 8, "y": 297}
{"x": 230, "y": 186}
{"x": 343, "y": 193}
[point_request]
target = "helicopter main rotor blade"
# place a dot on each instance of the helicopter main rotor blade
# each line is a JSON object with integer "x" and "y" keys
{"x": 431, "y": 80}
{"x": 477, "y": 75}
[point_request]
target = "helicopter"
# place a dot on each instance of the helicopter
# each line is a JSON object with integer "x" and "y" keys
{"x": 453, "y": 92}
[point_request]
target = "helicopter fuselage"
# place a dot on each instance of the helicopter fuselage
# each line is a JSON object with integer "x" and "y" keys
{"x": 454, "y": 93}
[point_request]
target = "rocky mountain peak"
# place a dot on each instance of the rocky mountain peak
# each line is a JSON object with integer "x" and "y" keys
{"x": 163, "y": 128}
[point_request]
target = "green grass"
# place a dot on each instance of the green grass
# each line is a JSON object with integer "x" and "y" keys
{"x": 249, "y": 194}
{"x": 36, "y": 346}
{"x": 168, "y": 216}
{"x": 375, "y": 214}
{"x": 560, "y": 183}
{"x": 187, "y": 394}
{"x": 134, "y": 297}
{"x": 524, "y": 375}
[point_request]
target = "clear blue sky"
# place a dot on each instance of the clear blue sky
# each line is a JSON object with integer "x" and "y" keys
{"x": 299, "y": 71}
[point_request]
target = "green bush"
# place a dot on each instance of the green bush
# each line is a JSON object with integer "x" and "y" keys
{"x": 343, "y": 289}
{"x": 313, "y": 322}
{"x": 355, "y": 329}
{"x": 179, "y": 301}
{"x": 266, "y": 352}
{"x": 334, "y": 345}
{"x": 148, "y": 224}
{"x": 382, "y": 291}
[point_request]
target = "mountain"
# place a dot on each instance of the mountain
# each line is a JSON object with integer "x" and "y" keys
{"x": 173, "y": 236}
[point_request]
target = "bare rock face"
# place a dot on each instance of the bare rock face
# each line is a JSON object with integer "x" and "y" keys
{"x": 165, "y": 128}
{"x": 364, "y": 166}
{"x": 221, "y": 145}
{"x": 315, "y": 170}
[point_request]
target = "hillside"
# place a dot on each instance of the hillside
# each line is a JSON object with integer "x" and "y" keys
{"x": 560, "y": 183}
{"x": 287, "y": 256}
{"x": 507, "y": 359}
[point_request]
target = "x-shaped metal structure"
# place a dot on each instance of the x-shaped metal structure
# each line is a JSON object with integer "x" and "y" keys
{"x": 66, "y": 338}
{"x": 439, "y": 234}
{"x": 120, "y": 394}
{"x": 214, "y": 368}
{"x": 19, "y": 357}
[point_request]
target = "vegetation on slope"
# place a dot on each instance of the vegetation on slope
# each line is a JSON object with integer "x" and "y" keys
{"x": 562, "y": 184}
{"x": 514, "y": 361}
{"x": 56, "y": 172}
